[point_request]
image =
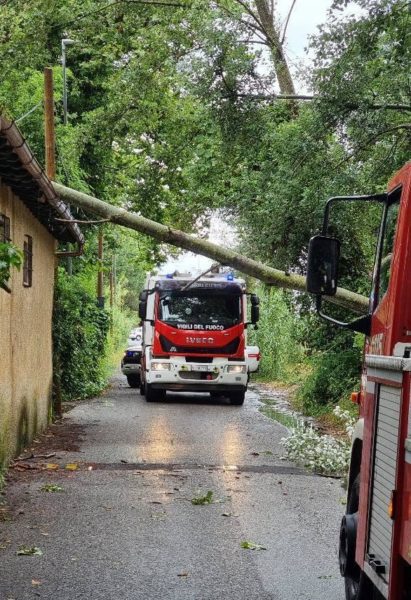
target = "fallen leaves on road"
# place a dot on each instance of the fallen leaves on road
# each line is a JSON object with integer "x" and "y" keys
{"x": 201, "y": 500}
{"x": 52, "y": 466}
{"x": 72, "y": 467}
{"x": 252, "y": 546}
{"x": 29, "y": 551}
{"x": 52, "y": 488}
{"x": 208, "y": 499}
{"x": 161, "y": 516}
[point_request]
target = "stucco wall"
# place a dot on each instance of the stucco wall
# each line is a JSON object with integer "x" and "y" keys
{"x": 25, "y": 334}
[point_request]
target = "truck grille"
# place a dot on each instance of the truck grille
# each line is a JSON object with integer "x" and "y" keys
{"x": 230, "y": 348}
{"x": 198, "y": 375}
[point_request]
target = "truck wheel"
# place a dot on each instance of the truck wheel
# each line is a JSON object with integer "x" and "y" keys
{"x": 142, "y": 388}
{"x": 237, "y": 398}
{"x": 357, "y": 584}
{"x": 133, "y": 381}
{"x": 153, "y": 395}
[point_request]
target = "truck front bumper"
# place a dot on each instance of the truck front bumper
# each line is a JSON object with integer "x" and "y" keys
{"x": 219, "y": 376}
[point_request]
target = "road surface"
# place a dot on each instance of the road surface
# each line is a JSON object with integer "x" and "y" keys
{"x": 122, "y": 525}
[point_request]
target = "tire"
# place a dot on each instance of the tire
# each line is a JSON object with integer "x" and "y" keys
{"x": 237, "y": 398}
{"x": 142, "y": 388}
{"x": 153, "y": 395}
{"x": 133, "y": 381}
{"x": 357, "y": 584}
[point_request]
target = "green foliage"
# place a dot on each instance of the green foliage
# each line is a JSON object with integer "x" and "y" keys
{"x": 335, "y": 372}
{"x": 10, "y": 256}
{"x": 202, "y": 500}
{"x": 79, "y": 333}
{"x": 161, "y": 123}
{"x": 276, "y": 335}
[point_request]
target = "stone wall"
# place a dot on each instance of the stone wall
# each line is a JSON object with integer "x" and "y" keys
{"x": 25, "y": 334}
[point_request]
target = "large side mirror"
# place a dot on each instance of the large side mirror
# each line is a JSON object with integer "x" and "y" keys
{"x": 255, "y": 313}
{"x": 142, "y": 310}
{"x": 142, "y": 305}
{"x": 255, "y": 300}
{"x": 322, "y": 267}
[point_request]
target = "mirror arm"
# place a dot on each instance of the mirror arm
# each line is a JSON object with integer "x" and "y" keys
{"x": 361, "y": 325}
{"x": 369, "y": 198}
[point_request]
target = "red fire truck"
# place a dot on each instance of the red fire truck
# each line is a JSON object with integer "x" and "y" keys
{"x": 194, "y": 335}
{"x": 375, "y": 537}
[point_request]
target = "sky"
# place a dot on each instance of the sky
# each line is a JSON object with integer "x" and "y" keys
{"x": 305, "y": 18}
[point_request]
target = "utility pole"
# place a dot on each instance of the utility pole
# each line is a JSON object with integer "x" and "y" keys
{"x": 50, "y": 153}
{"x": 100, "y": 275}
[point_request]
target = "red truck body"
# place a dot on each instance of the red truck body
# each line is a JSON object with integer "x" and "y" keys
{"x": 387, "y": 429}
{"x": 375, "y": 538}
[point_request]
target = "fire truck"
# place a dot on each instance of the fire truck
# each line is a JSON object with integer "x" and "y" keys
{"x": 194, "y": 335}
{"x": 375, "y": 535}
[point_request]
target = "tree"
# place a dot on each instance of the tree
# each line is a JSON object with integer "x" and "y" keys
{"x": 183, "y": 240}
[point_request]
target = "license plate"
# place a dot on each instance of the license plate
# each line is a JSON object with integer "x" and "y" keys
{"x": 203, "y": 368}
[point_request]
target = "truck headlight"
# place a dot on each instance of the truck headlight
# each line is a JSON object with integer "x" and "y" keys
{"x": 160, "y": 366}
{"x": 236, "y": 369}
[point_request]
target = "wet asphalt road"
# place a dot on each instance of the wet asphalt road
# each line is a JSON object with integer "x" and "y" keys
{"x": 123, "y": 526}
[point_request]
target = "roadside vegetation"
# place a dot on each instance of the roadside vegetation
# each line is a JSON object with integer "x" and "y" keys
{"x": 172, "y": 116}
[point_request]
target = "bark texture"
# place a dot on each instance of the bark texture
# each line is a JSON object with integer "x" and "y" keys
{"x": 266, "y": 17}
{"x": 175, "y": 237}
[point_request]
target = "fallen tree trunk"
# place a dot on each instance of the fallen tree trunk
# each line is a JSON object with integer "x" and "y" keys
{"x": 168, "y": 235}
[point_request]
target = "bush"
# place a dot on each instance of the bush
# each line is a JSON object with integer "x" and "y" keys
{"x": 275, "y": 335}
{"x": 79, "y": 336}
{"x": 334, "y": 374}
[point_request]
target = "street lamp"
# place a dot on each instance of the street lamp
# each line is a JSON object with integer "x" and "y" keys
{"x": 65, "y": 42}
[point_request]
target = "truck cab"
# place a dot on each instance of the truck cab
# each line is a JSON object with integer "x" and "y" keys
{"x": 194, "y": 335}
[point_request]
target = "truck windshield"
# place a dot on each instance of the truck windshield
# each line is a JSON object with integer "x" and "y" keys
{"x": 206, "y": 311}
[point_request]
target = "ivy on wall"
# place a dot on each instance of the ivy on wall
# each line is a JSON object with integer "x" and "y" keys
{"x": 80, "y": 331}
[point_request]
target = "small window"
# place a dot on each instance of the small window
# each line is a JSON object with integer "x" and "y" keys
{"x": 28, "y": 261}
{"x": 4, "y": 228}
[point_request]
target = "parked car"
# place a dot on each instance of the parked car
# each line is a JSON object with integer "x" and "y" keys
{"x": 135, "y": 336}
{"x": 252, "y": 358}
{"x": 131, "y": 364}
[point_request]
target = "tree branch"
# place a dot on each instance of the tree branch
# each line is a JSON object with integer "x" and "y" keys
{"x": 186, "y": 241}
{"x": 265, "y": 97}
{"x": 287, "y": 21}
{"x": 372, "y": 139}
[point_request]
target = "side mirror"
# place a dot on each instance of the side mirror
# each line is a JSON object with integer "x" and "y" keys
{"x": 142, "y": 305}
{"x": 255, "y": 300}
{"x": 142, "y": 309}
{"x": 322, "y": 265}
{"x": 255, "y": 313}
